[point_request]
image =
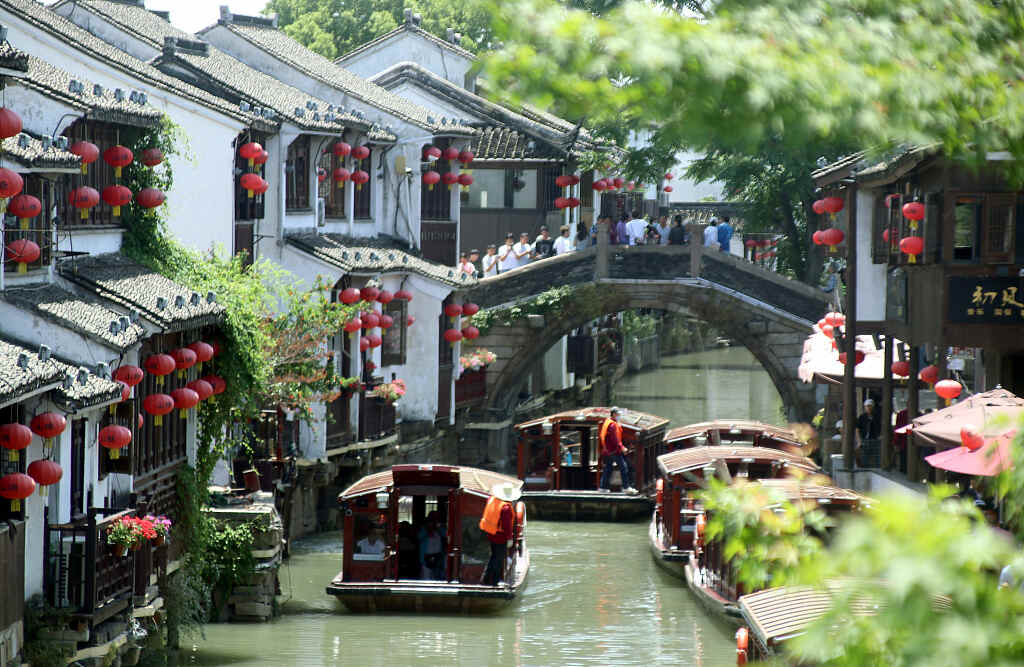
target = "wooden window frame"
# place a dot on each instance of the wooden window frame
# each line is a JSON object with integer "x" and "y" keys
{"x": 297, "y": 174}
{"x": 100, "y": 175}
{"x": 397, "y": 309}
{"x": 993, "y": 202}
{"x": 436, "y": 204}
{"x": 362, "y": 199}
{"x": 246, "y": 209}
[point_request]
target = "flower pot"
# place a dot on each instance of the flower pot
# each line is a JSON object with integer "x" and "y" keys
{"x": 252, "y": 479}
{"x": 159, "y": 541}
{"x": 136, "y": 546}
{"x": 119, "y": 550}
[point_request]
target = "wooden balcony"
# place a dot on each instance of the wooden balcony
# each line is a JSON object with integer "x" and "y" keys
{"x": 376, "y": 418}
{"x": 471, "y": 388}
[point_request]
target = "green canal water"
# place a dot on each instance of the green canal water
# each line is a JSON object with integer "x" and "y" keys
{"x": 594, "y": 595}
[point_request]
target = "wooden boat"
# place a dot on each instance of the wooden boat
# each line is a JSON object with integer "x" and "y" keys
{"x": 560, "y": 465}
{"x": 394, "y": 504}
{"x": 733, "y": 432}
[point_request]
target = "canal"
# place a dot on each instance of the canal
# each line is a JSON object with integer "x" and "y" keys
{"x": 594, "y": 597}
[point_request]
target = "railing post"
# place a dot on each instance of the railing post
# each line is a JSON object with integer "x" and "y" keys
{"x": 696, "y": 247}
{"x": 90, "y": 563}
{"x": 601, "y": 261}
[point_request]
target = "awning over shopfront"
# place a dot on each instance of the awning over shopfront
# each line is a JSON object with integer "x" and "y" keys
{"x": 990, "y": 460}
{"x": 820, "y": 361}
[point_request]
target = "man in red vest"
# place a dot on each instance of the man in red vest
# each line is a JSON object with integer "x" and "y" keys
{"x": 497, "y": 525}
{"x": 613, "y": 452}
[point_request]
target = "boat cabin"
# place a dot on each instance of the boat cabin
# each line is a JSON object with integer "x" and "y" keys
{"x": 392, "y": 517}
{"x": 674, "y": 524}
{"x": 561, "y": 452}
{"x": 733, "y": 432}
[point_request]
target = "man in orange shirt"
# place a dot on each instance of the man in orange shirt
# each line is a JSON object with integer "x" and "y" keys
{"x": 613, "y": 452}
{"x": 497, "y": 523}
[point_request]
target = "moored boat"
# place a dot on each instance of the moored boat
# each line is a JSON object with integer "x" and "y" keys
{"x": 393, "y": 518}
{"x": 560, "y": 465}
{"x": 733, "y": 432}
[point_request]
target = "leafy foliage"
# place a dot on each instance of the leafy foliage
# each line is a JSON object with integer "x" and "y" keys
{"x": 548, "y": 301}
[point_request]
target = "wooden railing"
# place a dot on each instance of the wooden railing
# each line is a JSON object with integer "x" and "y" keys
{"x": 376, "y": 418}
{"x": 471, "y": 387}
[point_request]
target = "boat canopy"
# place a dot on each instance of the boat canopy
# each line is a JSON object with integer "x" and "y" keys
{"x": 797, "y": 490}
{"x": 695, "y": 458}
{"x": 473, "y": 479}
{"x": 733, "y": 430}
{"x": 631, "y": 419}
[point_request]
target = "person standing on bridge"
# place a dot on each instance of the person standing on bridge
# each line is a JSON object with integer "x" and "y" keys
{"x": 636, "y": 229}
{"x": 506, "y": 259}
{"x": 621, "y": 233}
{"x": 563, "y": 243}
{"x": 522, "y": 250}
{"x": 677, "y": 235}
{"x": 613, "y": 452}
{"x": 490, "y": 262}
{"x": 711, "y": 234}
{"x": 724, "y": 234}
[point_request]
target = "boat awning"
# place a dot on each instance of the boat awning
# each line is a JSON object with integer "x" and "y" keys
{"x": 740, "y": 429}
{"x": 631, "y": 419}
{"x": 474, "y": 479}
{"x": 988, "y": 461}
{"x": 796, "y": 490}
{"x": 696, "y": 458}
{"x": 820, "y": 360}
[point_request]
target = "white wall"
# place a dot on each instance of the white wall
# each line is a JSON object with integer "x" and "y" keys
{"x": 202, "y": 175}
{"x": 871, "y": 278}
{"x": 69, "y": 345}
{"x": 556, "y": 371}
{"x": 687, "y": 190}
{"x": 409, "y": 46}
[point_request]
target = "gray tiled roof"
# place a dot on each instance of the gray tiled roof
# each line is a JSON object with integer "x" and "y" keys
{"x": 367, "y": 255}
{"x": 58, "y": 84}
{"x": 410, "y": 27}
{"x": 284, "y": 48}
{"x": 67, "y": 33}
{"x": 250, "y": 84}
{"x": 12, "y": 58}
{"x": 563, "y": 138}
{"x": 502, "y": 143}
{"x": 115, "y": 277}
{"x": 16, "y": 382}
{"x": 95, "y": 391}
{"x": 33, "y": 154}
{"x": 84, "y": 314}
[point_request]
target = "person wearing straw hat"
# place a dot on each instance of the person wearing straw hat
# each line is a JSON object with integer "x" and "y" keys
{"x": 497, "y": 525}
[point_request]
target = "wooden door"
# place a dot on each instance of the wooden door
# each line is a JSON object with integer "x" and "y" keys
{"x": 453, "y": 564}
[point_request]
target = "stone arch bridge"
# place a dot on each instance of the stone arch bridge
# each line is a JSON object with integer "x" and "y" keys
{"x": 769, "y": 314}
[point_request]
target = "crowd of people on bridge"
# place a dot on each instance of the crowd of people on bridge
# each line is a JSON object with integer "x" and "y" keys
{"x": 632, "y": 230}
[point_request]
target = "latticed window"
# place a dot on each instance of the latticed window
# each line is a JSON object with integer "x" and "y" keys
{"x": 297, "y": 174}
{"x": 436, "y": 202}
{"x": 99, "y": 175}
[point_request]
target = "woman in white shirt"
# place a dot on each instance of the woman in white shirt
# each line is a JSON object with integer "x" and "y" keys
{"x": 563, "y": 243}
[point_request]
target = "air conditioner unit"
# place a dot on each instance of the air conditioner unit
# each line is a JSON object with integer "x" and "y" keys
{"x": 321, "y": 212}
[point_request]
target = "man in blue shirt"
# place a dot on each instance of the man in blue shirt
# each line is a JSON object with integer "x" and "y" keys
{"x": 724, "y": 234}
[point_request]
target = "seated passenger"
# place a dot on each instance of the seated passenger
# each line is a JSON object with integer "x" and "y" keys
{"x": 432, "y": 548}
{"x": 371, "y": 544}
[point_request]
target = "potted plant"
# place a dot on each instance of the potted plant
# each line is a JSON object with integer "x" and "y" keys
{"x": 251, "y": 477}
{"x": 349, "y": 386}
{"x": 162, "y": 527}
{"x": 124, "y": 534}
{"x": 390, "y": 392}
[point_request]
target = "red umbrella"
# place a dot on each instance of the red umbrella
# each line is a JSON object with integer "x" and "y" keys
{"x": 990, "y": 460}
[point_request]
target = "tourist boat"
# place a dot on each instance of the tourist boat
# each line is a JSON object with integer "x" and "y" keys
{"x": 396, "y": 504}
{"x": 733, "y": 432}
{"x": 560, "y": 465}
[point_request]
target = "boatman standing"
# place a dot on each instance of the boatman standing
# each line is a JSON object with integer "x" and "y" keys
{"x": 614, "y": 452}
{"x": 497, "y": 524}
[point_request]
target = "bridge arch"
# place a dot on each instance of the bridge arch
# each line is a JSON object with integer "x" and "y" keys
{"x": 770, "y": 315}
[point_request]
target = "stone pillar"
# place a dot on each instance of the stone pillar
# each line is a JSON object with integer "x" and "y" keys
{"x": 601, "y": 261}
{"x": 886, "y": 411}
{"x": 696, "y": 247}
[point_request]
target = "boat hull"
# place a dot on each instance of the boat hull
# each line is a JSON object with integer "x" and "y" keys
{"x": 429, "y": 596}
{"x": 672, "y": 562}
{"x": 725, "y": 609}
{"x": 586, "y": 506}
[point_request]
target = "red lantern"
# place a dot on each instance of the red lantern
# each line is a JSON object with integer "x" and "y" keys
{"x": 87, "y": 151}
{"x": 150, "y": 198}
{"x": 929, "y": 374}
{"x": 48, "y": 425}
{"x": 341, "y": 149}
{"x": 129, "y": 374}
{"x": 11, "y": 183}
{"x": 184, "y": 359}
{"x": 22, "y": 251}
{"x": 465, "y": 157}
{"x": 453, "y": 310}
{"x": 818, "y": 206}
{"x": 118, "y": 157}
{"x": 359, "y": 177}
{"x": 816, "y": 237}
{"x": 630, "y": 185}
{"x": 151, "y": 157}
{"x": 465, "y": 180}
{"x": 574, "y": 179}
{"x": 431, "y": 153}
{"x": 352, "y": 326}
{"x": 912, "y": 246}
{"x": 901, "y": 368}
{"x": 184, "y": 400}
{"x": 858, "y": 357}
{"x": 84, "y": 198}
{"x": 409, "y": 321}
{"x": 126, "y": 393}
{"x": 667, "y": 188}
{"x": 24, "y": 207}
{"x": 341, "y": 175}
{"x": 573, "y": 202}
{"x": 369, "y": 294}
{"x": 350, "y": 295}
{"x": 386, "y": 321}
{"x": 948, "y": 389}
{"x": 833, "y": 205}
{"x": 451, "y": 154}
{"x": 114, "y": 437}
{"x": 470, "y": 332}
{"x": 561, "y": 202}
{"x": 469, "y": 309}
{"x": 321, "y": 174}
{"x": 598, "y": 186}
{"x": 668, "y": 177}
{"x": 431, "y": 178}
{"x": 45, "y": 473}
{"x": 885, "y": 235}
{"x": 251, "y": 182}
{"x": 249, "y": 151}
{"x": 563, "y": 181}
{"x": 203, "y": 351}
{"x": 832, "y": 237}
{"x": 16, "y": 487}
{"x": 264, "y": 186}
{"x": 449, "y": 178}
{"x": 364, "y": 344}
{"x": 453, "y": 336}
{"x": 374, "y": 340}
{"x": 361, "y": 152}
{"x": 913, "y": 211}
{"x": 971, "y": 437}
{"x": 404, "y": 295}
{"x": 618, "y": 182}
{"x": 117, "y": 196}
{"x": 217, "y": 382}
{"x": 385, "y": 296}
{"x": 160, "y": 365}
{"x": 15, "y": 437}
{"x": 10, "y": 123}
{"x": 370, "y": 320}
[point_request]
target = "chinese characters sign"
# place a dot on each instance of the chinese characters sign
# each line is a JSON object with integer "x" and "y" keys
{"x": 986, "y": 300}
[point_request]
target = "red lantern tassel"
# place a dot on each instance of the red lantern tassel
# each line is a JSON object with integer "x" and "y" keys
{"x": 184, "y": 414}
{"x": 113, "y": 408}
{"x": 85, "y": 168}
{"x": 359, "y": 186}
{"x": 911, "y": 259}
{"x": 22, "y": 267}
{"x": 85, "y": 213}
{"x": 117, "y": 211}
{"x": 42, "y": 490}
{"x": 115, "y": 454}
{"x": 12, "y": 455}
{"x": 15, "y": 503}
{"x": 117, "y": 172}
{"x": 23, "y": 223}
{"x": 341, "y": 185}
{"x": 250, "y": 193}
{"x": 158, "y": 420}
{"x": 252, "y": 162}
{"x": 159, "y": 380}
